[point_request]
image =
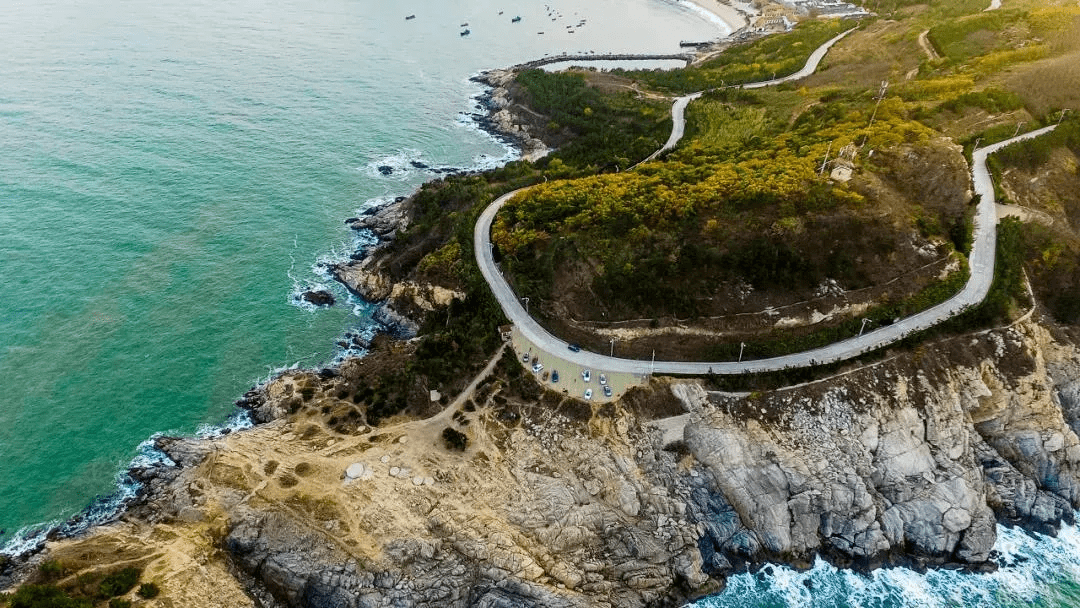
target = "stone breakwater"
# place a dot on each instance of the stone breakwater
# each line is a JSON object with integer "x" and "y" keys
{"x": 649, "y": 501}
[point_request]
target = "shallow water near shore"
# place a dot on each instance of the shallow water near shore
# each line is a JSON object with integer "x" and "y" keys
{"x": 174, "y": 172}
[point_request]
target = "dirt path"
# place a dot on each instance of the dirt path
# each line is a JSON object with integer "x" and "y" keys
{"x": 924, "y": 44}
{"x": 1024, "y": 214}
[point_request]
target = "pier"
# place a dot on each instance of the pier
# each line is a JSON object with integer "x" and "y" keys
{"x": 686, "y": 57}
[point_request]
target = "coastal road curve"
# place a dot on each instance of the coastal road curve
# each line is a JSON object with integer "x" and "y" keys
{"x": 981, "y": 262}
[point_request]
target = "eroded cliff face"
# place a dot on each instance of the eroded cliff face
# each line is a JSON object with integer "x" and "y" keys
{"x": 562, "y": 503}
{"x": 907, "y": 460}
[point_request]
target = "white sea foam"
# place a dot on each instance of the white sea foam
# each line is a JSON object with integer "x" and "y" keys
{"x": 238, "y": 421}
{"x": 1033, "y": 570}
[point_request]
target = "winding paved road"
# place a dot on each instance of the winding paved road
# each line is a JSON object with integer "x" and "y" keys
{"x": 808, "y": 69}
{"x": 981, "y": 262}
{"x": 678, "y": 109}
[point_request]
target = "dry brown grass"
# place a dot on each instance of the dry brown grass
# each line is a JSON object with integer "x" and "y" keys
{"x": 1048, "y": 84}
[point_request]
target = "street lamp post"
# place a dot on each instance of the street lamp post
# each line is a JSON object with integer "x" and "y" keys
{"x": 1017, "y": 131}
{"x": 864, "y": 322}
{"x": 1062, "y": 115}
{"x": 526, "y": 299}
{"x": 742, "y": 345}
{"x": 612, "y": 353}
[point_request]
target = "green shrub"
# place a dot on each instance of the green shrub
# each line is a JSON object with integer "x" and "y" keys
{"x": 992, "y": 100}
{"x": 148, "y": 591}
{"x": 119, "y": 603}
{"x": 51, "y": 569}
{"x": 454, "y": 439}
{"x": 46, "y": 596}
{"x": 119, "y": 583}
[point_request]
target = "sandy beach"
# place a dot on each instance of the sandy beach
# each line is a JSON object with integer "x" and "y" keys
{"x": 722, "y": 11}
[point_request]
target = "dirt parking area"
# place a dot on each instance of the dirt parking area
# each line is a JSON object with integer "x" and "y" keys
{"x": 571, "y": 381}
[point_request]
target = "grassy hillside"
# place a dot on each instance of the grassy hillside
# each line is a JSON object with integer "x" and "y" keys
{"x": 744, "y": 216}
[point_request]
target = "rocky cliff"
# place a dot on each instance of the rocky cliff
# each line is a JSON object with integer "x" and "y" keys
{"x": 648, "y": 501}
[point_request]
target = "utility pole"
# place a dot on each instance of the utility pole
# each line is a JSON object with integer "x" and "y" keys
{"x": 526, "y": 298}
{"x": 976, "y": 146}
{"x": 652, "y": 366}
{"x": 742, "y": 345}
{"x": 612, "y": 354}
{"x": 880, "y": 96}
{"x": 864, "y": 322}
{"x": 826, "y": 161}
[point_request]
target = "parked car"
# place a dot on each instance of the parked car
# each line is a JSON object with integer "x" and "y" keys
{"x": 586, "y": 374}
{"x": 607, "y": 390}
{"x": 603, "y": 379}
{"x": 554, "y": 376}
{"x": 574, "y": 347}
{"x": 525, "y": 357}
{"x": 588, "y": 394}
{"x": 537, "y": 367}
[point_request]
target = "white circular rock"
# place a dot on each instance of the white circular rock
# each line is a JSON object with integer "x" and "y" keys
{"x": 403, "y": 439}
{"x": 384, "y": 459}
{"x": 417, "y": 481}
{"x": 429, "y": 481}
{"x": 355, "y": 471}
{"x": 394, "y": 471}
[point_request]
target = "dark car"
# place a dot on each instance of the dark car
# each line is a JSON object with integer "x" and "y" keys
{"x": 574, "y": 347}
{"x": 554, "y": 376}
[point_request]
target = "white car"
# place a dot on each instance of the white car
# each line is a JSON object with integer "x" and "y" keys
{"x": 525, "y": 357}
{"x": 537, "y": 367}
{"x": 586, "y": 374}
{"x": 603, "y": 379}
{"x": 588, "y": 394}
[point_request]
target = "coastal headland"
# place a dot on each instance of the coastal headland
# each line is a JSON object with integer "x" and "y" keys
{"x": 449, "y": 467}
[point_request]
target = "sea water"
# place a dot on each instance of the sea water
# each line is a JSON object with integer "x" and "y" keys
{"x": 174, "y": 173}
{"x": 1034, "y": 571}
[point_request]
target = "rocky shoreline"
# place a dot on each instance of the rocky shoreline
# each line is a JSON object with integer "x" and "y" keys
{"x": 653, "y": 502}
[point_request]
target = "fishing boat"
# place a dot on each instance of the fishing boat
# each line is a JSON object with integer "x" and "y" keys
{"x": 465, "y": 33}
{"x": 516, "y": 19}
{"x": 410, "y": 17}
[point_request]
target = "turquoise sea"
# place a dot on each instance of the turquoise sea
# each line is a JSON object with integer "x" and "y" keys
{"x": 175, "y": 172}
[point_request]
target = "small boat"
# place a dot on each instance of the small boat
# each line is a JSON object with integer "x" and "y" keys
{"x": 515, "y": 19}
{"x": 500, "y": 12}
{"x": 465, "y": 33}
{"x": 540, "y": 33}
{"x": 466, "y": 24}
{"x": 410, "y": 17}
